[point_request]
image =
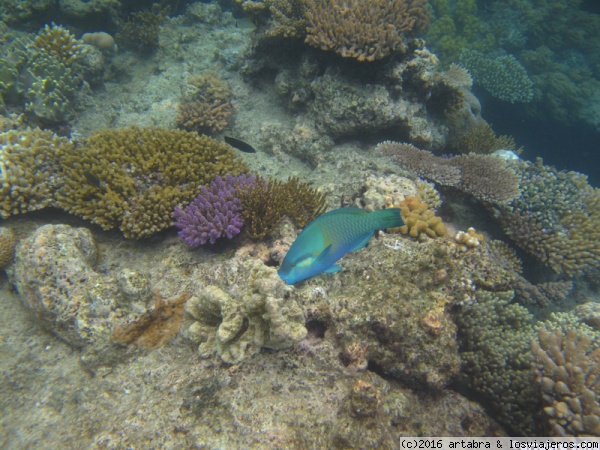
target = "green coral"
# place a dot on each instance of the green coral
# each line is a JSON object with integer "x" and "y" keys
{"x": 503, "y": 77}
{"x": 133, "y": 178}
{"x": 267, "y": 202}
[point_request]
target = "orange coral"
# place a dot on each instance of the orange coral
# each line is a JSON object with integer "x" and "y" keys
{"x": 419, "y": 219}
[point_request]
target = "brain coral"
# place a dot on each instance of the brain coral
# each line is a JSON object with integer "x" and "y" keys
{"x": 133, "y": 178}
{"x": 28, "y": 170}
{"x": 365, "y": 30}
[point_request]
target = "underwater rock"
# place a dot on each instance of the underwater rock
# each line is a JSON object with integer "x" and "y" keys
{"x": 54, "y": 276}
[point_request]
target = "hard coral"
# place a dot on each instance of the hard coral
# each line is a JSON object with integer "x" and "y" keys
{"x": 216, "y": 212}
{"x": 7, "y": 246}
{"x": 140, "y": 32}
{"x": 28, "y": 170}
{"x": 58, "y": 42}
{"x": 568, "y": 364}
{"x": 133, "y": 178}
{"x": 419, "y": 219}
{"x": 365, "y": 30}
{"x": 266, "y": 202}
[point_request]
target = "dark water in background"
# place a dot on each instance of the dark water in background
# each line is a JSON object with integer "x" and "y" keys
{"x": 570, "y": 147}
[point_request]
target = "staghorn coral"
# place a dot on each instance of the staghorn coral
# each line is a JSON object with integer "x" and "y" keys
{"x": 216, "y": 212}
{"x": 568, "y": 364}
{"x": 133, "y": 178}
{"x": 155, "y": 327}
{"x": 487, "y": 178}
{"x": 556, "y": 218}
{"x": 265, "y": 203}
{"x": 7, "y": 246}
{"x": 59, "y": 42}
{"x": 236, "y": 319}
{"x": 419, "y": 219}
{"x": 503, "y": 77}
{"x": 364, "y": 30}
{"x": 494, "y": 336}
{"x": 28, "y": 169}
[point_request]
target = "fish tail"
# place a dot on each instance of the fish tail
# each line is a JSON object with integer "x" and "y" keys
{"x": 387, "y": 218}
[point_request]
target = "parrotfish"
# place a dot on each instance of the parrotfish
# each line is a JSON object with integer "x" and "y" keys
{"x": 329, "y": 237}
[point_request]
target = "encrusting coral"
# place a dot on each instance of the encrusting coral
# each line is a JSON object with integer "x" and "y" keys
{"x": 366, "y": 30}
{"x": 155, "y": 327}
{"x": 133, "y": 178}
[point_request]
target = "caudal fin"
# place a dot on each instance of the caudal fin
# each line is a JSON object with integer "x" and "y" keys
{"x": 387, "y": 218}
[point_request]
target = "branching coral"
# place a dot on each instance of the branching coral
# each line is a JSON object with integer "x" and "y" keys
{"x": 140, "y": 32}
{"x": 569, "y": 373}
{"x": 7, "y": 246}
{"x": 365, "y": 30}
{"x": 28, "y": 170}
{"x": 59, "y": 42}
{"x": 133, "y": 178}
{"x": 480, "y": 138}
{"x": 503, "y": 77}
{"x": 266, "y": 202}
{"x": 285, "y": 18}
{"x": 556, "y": 218}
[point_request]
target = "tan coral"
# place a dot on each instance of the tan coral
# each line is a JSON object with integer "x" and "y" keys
{"x": 468, "y": 240}
{"x": 7, "y": 246}
{"x": 366, "y": 30}
{"x": 419, "y": 219}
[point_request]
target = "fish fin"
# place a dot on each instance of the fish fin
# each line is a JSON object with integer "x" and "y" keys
{"x": 333, "y": 269}
{"x": 364, "y": 240}
{"x": 323, "y": 256}
{"x": 387, "y": 218}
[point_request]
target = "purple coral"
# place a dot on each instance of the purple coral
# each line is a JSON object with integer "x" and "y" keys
{"x": 214, "y": 213}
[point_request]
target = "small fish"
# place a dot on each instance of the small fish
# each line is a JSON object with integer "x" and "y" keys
{"x": 240, "y": 145}
{"x": 92, "y": 179}
{"x": 245, "y": 24}
{"x": 329, "y": 237}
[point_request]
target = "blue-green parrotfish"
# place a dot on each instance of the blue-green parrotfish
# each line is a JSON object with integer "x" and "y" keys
{"x": 329, "y": 237}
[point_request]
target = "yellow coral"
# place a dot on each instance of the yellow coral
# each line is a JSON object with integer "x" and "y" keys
{"x": 59, "y": 42}
{"x": 468, "y": 240}
{"x": 133, "y": 178}
{"x": 419, "y": 219}
{"x": 7, "y": 246}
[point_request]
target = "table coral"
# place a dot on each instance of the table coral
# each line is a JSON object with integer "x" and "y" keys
{"x": 365, "y": 30}
{"x": 133, "y": 178}
{"x": 28, "y": 169}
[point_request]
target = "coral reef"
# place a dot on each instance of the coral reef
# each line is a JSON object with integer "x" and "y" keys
{"x": 487, "y": 178}
{"x": 480, "y": 138}
{"x": 419, "y": 219}
{"x": 503, "y": 77}
{"x": 235, "y": 320}
{"x": 155, "y": 327}
{"x": 468, "y": 240}
{"x": 140, "y": 32}
{"x": 568, "y": 363}
{"x": 209, "y": 108}
{"x": 282, "y": 18}
{"x": 57, "y": 41}
{"x": 541, "y": 294}
{"x": 495, "y": 338}
{"x": 7, "y": 246}
{"x": 28, "y": 169}
{"x": 265, "y": 203}
{"x": 384, "y": 192}
{"x": 556, "y": 218}
{"x": 133, "y": 178}
{"x": 364, "y": 30}
{"x": 216, "y": 212}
